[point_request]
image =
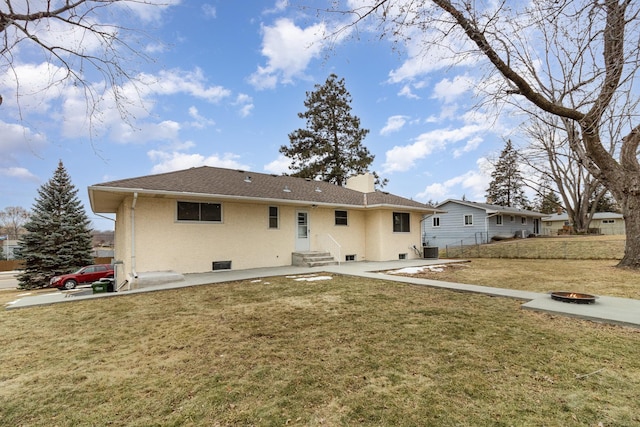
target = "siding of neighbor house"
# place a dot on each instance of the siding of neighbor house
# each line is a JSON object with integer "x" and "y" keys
{"x": 608, "y": 223}
{"x": 452, "y": 230}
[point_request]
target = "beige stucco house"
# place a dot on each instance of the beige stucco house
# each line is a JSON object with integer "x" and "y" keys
{"x": 206, "y": 218}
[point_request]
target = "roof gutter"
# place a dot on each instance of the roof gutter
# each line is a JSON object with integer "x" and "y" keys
{"x": 178, "y": 194}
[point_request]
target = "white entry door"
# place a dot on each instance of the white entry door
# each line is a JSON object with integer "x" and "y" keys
{"x": 302, "y": 231}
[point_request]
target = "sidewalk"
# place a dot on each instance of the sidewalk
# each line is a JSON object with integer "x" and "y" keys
{"x": 619, "y": 311}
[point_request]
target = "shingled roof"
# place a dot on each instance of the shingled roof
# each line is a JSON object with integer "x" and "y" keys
{"x": 211, "y": 182}
{"x": 494, "y": 209}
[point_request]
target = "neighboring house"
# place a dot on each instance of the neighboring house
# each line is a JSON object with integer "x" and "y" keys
{"x": 207, "y": 218}
{"x": 10, "y": 248}
{"x": 468, "y": 223}
{"x": 602, "y": 223}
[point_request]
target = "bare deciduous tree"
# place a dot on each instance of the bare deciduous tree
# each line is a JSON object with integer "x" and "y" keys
{"x": 549, "y": 155}
{"x": 573, "y": 59}
{"x": 77, "y": 41}
{"x": 12, "y": 220}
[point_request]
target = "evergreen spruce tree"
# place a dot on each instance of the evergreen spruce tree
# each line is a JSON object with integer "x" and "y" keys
{"x": 58, "y": 237}
{"x": 506, "y": 186}
{"x": 547, "y": 200}
{"x": 330, "y": 148}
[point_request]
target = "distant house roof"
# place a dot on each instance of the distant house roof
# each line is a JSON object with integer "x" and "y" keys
{"x": 596, "y": 216}
{"x": 210, "y": 182}
{"x": 493, "y": 209}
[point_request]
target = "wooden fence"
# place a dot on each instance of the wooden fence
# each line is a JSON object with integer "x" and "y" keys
{"x": 18, "y": 264}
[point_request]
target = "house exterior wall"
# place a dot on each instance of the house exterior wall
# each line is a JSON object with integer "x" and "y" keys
{"x": 612, "y": 226}
{"x": 339, "y": 240}
{"x": 243, "y": 237}
{"x": 452, "y": 230}
{"x": 383, "y": 244}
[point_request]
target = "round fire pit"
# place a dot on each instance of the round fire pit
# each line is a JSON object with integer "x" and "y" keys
{"x": 573, "y": 297}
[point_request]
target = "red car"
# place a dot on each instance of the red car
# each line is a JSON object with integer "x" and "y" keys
{"x": 88, "y": 274}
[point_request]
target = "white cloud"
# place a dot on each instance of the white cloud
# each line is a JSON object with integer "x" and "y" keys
{"x": 17, "y": 140}
{"x": 20, "y": 173}
{"x": 288, "y": 49}
{"x": 472, "y": 184}
{"x": 149, "y": 10}
{"x": 175, "y": 81}
{"x": 140, "y": 101}
{"x": 209, "y": 11}
{"x": 171, "y": 161}
{"x": 245, "y": 102}
{"x": 402, "y": 158}
{"x": 199, "y": 122}
{"x": 278, "y": 166}
{"x": 36, "y": 83}
{"x": 407, "y": 92}
{"x": 394, "y": 124}
{"x": 471, "y": 145}
{"x": 448, "y": 90}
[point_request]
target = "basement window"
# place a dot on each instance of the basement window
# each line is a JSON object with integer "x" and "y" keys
{"x": 402, "y": 256}
{"x": 349, "y": 257}
{"x": 221, "y": 265}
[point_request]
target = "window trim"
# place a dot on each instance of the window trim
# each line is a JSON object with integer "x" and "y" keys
{"x": 523, "y": 221}
{"x": 336, "y": 218}
{"x": 465, "y": 222}
{"x": 400, "y": 225}
{"x": 499, "y": 220}
{"x": 435, "y": 223}
{"x": 200, "y": 220}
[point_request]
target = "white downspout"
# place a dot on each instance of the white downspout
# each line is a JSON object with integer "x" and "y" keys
{"x": 134, "y": 275}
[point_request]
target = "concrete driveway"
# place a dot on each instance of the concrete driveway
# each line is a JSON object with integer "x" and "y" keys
{"x": 8, "y": 280}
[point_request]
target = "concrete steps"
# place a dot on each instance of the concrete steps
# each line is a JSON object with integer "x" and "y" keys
{"x": 312, "y": 259}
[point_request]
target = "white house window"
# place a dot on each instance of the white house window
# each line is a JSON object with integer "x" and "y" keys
{"x": 401, "y": 222}
{"x": 499, "y": 220}
{"x": 608, "y": 221}
{"x": 512, "y": 218}
{"x": 524, "y": 220}
{"x": 468, "y": 220}
{"x": 341, "y": 218}
{"x": 436, "y": 221}
{"x": 274, "y": 217}
{"x": 195, "y": 211}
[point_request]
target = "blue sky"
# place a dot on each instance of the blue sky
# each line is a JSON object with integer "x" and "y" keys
{"x": 225, "y": 87}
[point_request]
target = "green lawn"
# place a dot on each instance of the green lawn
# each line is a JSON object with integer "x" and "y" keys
{"x": 345, "y": 351}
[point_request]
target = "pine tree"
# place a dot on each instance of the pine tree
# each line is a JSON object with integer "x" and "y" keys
{"x": 330, "y": 148}
{"x": 547, "y": 200}
{"x": 548, "y": 203}
{"x": 506, "y": 186}
{"x": 58, "y": 237}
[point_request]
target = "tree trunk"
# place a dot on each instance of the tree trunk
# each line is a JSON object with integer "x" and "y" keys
{"x": 631, "y": 213}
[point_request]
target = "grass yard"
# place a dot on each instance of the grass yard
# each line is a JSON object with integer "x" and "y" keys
{"x": 345, "y": 351}
{"x": 596, "y": 277}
